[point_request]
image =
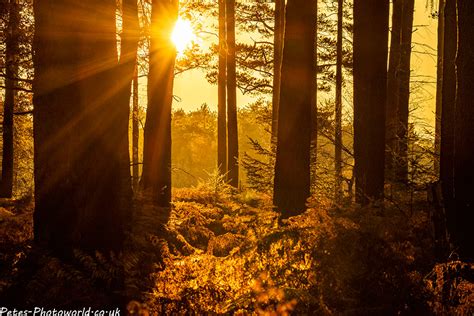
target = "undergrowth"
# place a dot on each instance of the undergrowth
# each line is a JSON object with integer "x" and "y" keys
{"x": 219, "y": 251}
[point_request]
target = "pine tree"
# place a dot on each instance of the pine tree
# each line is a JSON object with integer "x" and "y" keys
{"x": 232, "y": 130}
{"x": 370, "y": 93}
{"x": 81, "y": 199}
{"x": 11, "y": 71}
{"x": 297, "y": 101}
{"x": 156, "y": 175}
{"x": 459, "y": 216}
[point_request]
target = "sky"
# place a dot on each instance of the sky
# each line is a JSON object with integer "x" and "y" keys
{"x": 193, "y": 90}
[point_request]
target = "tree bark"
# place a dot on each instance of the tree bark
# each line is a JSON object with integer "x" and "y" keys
{"x": 297, "y": 99}
{"x": 314, "y": 113}
{"x": 80, "y": 133}
{"x": 439, "y": 86}
{"x": 459, "y": 218}
{"x": 338, "y": 112}
{"x": 401, "y": 167}
{"x": 135, "y": 132}
{"x": 370, "y": 96}
{"x": 393, "y": 89}
{"x": 127, "y": 68}
{"x": 448, "y": 102}
{"x": 279, "y": 31}
{"x": 11, "y": 72}
{"x": 156, "y": 175}
{"x": 232, "y": 129}
{"x": 221, "y": 98}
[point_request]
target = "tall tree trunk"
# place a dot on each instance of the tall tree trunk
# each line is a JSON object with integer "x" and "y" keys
{"x": 232, "y": 129}
{"x": 127, "y": 74}
{"x": 156, "y": 175}
{"x": 80, "y": 197}
{"x": 338, "y": 114}
{"x": 401, "y": 167}
{"x": 370, "y": 94}
{"x": 460, "y": 216}
{"x": 297, "y": 101}
{"x": 448, "y": 102}
{"x": 393, "y": 89}
{"x": 279, "y": 31}
{"x": 314, "y": 112}
{"x": 439, "y": 86}
{"x": 135, "y": 131}
{"x": 11, "y": 72}
{"x": 221, "y": 98}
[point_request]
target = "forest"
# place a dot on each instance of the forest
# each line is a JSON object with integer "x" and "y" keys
{"x": 236, "y": 157}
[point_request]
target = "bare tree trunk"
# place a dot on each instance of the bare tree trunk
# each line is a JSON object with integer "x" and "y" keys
{"x": 338, "y": 114}
{"x": 80, "y": 134}
{"x": 401, "y": 167}
{"x": 370, "y": 96}
{"x": 279, "y": 31}
{"x": 439, "y": 86}
{"x": 221, "y": 99}
{"x": 314, "y": 113}
{"x": 127, "y": 74}
{"x": 460, "y": 216}
{"x": 448, "y": 102}
{"x": 135, "y": 131}
{"x": 11, "y": 72}
{"x": 297, "y": 103}
{"x": 232, "y": 129}
{"x": 156, "y": 175}
{"x": 393, "y": 89}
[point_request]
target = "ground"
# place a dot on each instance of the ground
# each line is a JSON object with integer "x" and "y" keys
{"x": 223, "y": 252}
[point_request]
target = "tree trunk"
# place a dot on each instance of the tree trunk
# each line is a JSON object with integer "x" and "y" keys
{"x": 393, "y": 89}
{"x": 314, "y": 113}
{"x": 338, "y": 112}
{"x": 127, "y": 73}
{"x": 298, "y": 88}
{"x": 80, "y": 133}
{"x": 232, "y": 130}
{"x": 279, "y": 31}
{"x": 221, "y": 98}
{"x": 401, "y": 167}
{"x": 156, "y": 175}
{"x": 448, "y": 102}
{"x": 135, "y": 131}
{"x": 439, "y": 86}
{"x": 370, "y": 94}
{"x": 460, "y": 216}
{"x": 11, "y": 72}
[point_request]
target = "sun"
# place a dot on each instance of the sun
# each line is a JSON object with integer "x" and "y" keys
{"x": 182, "y": 35}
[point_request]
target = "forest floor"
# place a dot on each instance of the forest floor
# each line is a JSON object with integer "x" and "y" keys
{"x": 224, "y": 252}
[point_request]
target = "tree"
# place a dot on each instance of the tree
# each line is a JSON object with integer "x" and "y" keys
{"x": 370, "y": 91}
{"x": 338, "y": 112}
{"x": 401, "y": 161}
{"x": 393, "y": 88}
{"x": 156, "y": 175}
{"x": 232, "y": 130}
{"x": 128, "y": 75}
{"x": 135, "y": 131}
{"x": 279, "y": 31}
{"x": 221, "y": 99}
{"x": 298, "y": 88}
{"x": 81, "y": 199}
{"x": 448, "y": 102}
{"x": 459, "y": 216}
{"x": 439, "y": 84}
{"x": 11, "y": 72}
